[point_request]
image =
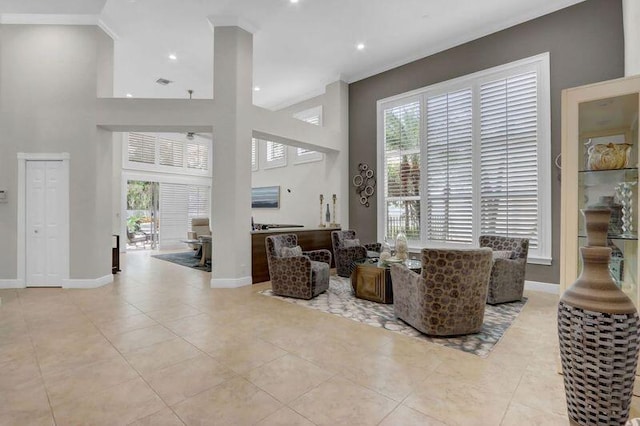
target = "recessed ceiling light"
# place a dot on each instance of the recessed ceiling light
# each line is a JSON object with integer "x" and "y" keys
{"x": 173, "y": 57}
{"x": 129, "y": 95}
{"x": 257, "y": 88}
{"x": 360, "y": 46}
{"x": 293, "y": 1}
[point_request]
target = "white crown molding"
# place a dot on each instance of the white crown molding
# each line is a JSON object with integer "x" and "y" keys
{"x": 108, "y": 30}
{"x": 87, "y": 283}
{"x": 231, "y": 21}
{"x": 36, "y": 156}
{"x": 47, "y": 19}
{"x": 231, "y": 282}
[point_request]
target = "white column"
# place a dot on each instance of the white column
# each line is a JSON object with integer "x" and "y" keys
{"x": 231, "y": 187}
{"x": 631, "y": 19}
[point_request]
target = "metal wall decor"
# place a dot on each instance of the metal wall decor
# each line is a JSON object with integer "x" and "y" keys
{"x": 365, "y": 183}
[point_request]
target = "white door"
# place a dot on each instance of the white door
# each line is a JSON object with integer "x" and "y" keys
{"x": 46, "y": 242}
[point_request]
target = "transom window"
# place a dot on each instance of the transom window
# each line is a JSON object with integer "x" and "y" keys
{"x": 467, "y": 157}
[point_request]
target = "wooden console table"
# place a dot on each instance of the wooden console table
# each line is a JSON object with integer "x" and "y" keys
{"x": 308, "y": 238}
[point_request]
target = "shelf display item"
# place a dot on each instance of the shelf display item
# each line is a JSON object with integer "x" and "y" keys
{"x": 624, "y": 191}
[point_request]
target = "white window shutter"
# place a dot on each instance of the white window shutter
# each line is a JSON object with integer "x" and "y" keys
{"x": 449, "y": 167}
{"x": 174, "y": 224}
{"x": 197, "y": 156}
{"x": 509, "y": 165}
{"x": 198, "y": 203}
{"x": 171, "y": 152}
{"x": 142, "y": 148}
{"x": 254, "y": 154}
{"x": 402, "y": 170}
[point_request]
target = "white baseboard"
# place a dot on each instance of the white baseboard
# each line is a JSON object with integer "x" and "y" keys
{"x": 544, "y": 287}
{"x": 11, "y": 284}
{"x": 87, "y": 283}
{"x": 231, "y": 282}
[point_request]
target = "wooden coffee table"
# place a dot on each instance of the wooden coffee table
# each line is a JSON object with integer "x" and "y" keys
{"x": 371, "y": 279}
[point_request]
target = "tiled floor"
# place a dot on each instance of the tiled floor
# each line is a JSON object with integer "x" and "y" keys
{"x": 159, "y": 347}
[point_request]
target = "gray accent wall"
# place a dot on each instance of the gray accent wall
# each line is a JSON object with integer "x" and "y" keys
{"x": 49, "y": 78}
{"x": 586, "y": 45}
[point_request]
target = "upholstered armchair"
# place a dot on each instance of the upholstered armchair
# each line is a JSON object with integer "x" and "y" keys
{"x": 509, "y": 265}
{"x": 347, "y": 248}
{"x": 449, "y": 296}
{"x": 295, "y": 273}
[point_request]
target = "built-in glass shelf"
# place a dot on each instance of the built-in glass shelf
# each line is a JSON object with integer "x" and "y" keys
{"x": 626, "y": 170}
{"x": 616, "y": 237}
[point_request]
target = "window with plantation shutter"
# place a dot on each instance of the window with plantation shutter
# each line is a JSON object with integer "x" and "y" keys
{"x": 198, "y": 202}
{"x": 275, "y": 154}
{"x": 197, "y": 156}
{"x": 448, "y": 166}
{"x": 254, "y": 155}
{"x": 467, "y": 157}
{"x": 509, "y": 163}
{"x": 402, "y": 170}
{"x": 142, "y": 148}
{"x": 170, "y": 152}
{"x": 311, "y": 116}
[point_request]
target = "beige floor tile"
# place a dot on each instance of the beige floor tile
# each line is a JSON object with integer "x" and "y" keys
{"x": 155, "y": 357}
{"x": 285, "y": 417}
{"x": 288, "y": 377}
{"x": 16, "y": 349}
{"x": 26, "y": 405}
{"x": 76, "y": 383}
{"x": 20, "y": 373}
{"x": 188, "y": 378}
{"x": 244, "y": 357}
{"x": 458, "y": 403}
{"x": 518, "y": 415}
{"x": 405, "y": 416}
{"x": 542, "y": 390}
{"x": 173, "y": 313}
{"x": 118, "y": 405}
{"x": 57, "y": 358}
{"x": 140, "y": 338}
{"x": 191, "y": 325}
{"x": 339, "y": 401}
{"x": 234, "y": 402}
{"x": 123, "y": 325}
{"x": 164, "y": 417}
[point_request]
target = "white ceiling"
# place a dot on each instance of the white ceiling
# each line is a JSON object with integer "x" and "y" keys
{"x": 298, "y": 48}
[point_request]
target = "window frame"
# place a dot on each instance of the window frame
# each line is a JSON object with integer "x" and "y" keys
{"x": 310, "y": 156}
{"x": 539, "y": 63}
{"x": 157, "y": 167}
{"x": 263, "y": 150}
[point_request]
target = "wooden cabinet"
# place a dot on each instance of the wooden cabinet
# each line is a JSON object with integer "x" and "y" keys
{"x": 600, "y": 169}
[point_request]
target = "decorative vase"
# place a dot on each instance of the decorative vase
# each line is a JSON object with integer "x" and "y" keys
{"x": 402, "y": 246}
{"x": 598, "y": 333}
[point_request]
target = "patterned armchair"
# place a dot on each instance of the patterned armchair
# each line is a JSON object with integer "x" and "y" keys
{"x": 449, "y": 296}
{"x": 509, "y": 265}
{"x": 345, "y": 254}
{"x": 303, "y": 276}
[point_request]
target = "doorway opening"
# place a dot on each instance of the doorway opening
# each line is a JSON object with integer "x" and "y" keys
{"x": 142, "y": 215}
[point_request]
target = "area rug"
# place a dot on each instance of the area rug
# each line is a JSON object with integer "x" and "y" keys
{"x": 185, "y": 258}
{"x": 339, "y": 300}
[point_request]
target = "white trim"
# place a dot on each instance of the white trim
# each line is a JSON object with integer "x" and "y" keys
{"x": 543, "y": 287}
{"x": 232, "y": 21}
{"x": 88, "y": 282}
{"x": 21, "y": 243}
{"x": 48, "y": 19}
{"x": 231, "y": 282}
{"x": 108, "y": 31}
{"x": 536, "y": 260}
{"x": 6, "y": 284}
{"x": 39, "y": 156}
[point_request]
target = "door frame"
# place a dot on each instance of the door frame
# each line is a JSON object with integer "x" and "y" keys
{"x": 22, "y": 210}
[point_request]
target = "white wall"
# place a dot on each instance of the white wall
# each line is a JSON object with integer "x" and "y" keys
{"x": 300, "y": 205}
{"x": 631, "y": 16}
{"x": 49, "y": 79}
{"x": 307, "y": 181}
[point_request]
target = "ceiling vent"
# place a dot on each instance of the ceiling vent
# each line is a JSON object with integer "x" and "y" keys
{"x": 163, "y": 81}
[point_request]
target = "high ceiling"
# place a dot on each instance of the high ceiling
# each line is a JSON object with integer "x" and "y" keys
{"x": 298, "y": 47}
